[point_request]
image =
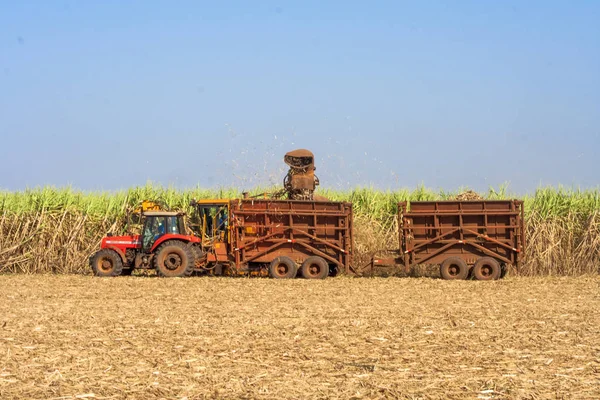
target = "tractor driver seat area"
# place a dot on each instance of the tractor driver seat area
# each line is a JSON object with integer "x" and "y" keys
{"x": 157, "y": 226}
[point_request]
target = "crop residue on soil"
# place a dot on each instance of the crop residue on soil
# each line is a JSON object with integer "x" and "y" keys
{"x": 79, "y": 336}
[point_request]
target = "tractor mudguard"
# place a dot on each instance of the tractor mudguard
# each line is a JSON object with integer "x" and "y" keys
{"x": 120, "y": 252}
{"x": 164, "y": 238}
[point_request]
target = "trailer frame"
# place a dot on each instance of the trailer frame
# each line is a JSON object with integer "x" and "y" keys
{"x": 431, "y": 231}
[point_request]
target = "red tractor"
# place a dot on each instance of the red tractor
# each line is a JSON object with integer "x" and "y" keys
{"x": 164, "y": 245}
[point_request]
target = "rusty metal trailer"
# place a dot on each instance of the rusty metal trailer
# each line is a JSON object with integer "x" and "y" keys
{"x": 287, "y": 238}
{"x": 475, "y": 238}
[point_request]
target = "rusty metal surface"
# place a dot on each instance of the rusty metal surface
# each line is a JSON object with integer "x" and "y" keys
{"x": 265, "y": 229}
{"x": 432, "y": 231}
{"x": 299, "y": 158}
{"x": 300, "y": 181}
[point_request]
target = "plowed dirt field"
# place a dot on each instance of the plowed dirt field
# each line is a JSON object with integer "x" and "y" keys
{"x": 64, "y": 337}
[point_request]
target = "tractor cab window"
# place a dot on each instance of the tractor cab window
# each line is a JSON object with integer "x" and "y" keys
{"x": 173, "y": 225}
{"x": 154, "y": 228}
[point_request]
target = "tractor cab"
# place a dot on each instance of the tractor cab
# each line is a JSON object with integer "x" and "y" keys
{"x": 212, "y": 218}
{"x": 159, "y": 223}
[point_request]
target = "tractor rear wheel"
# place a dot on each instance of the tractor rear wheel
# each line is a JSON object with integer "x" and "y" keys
{"x": 315, "y": 268}
{"x": 486, "y": 269}
{"x": 454, "y": 268}
{"x": 106, "y": 262}
{"x": 174, "y": 259}
{"x": 283, "y": 268}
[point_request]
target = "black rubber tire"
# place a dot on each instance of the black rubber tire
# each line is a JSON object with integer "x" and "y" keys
{"x": 106, "y": 262}
{"x": 174, "y": 259}
{"x": 454, "y": 268}
{"x": 283, "y": 268}
{"x": 315, "y": 267}
{"x": 218, "y": 270}
{"x": 486, "y": 269}
{"x": 199, "y": 256}
{"x": 503, "y": 270}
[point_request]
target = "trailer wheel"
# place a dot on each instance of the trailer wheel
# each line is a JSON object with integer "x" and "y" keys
{"x": 454, "y": 268}
{"x": 106, "y": 262}
{"x": 315, "y": 268}
{"x": 283, "y": 268}
{"x": 174, "y": 259}
{"x": 486, "y": 269}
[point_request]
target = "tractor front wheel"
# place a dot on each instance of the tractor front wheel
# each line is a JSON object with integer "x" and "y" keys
{"x": 174, "y": 259}
{"x": 106, "y": 262}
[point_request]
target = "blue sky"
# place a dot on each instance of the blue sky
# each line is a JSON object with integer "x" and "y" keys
{"x": 106, "y": 95}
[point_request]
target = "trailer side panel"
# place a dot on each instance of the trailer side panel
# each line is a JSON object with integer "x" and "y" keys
{"x": 432, "y": 231}
{"x": 264, "y": 229}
